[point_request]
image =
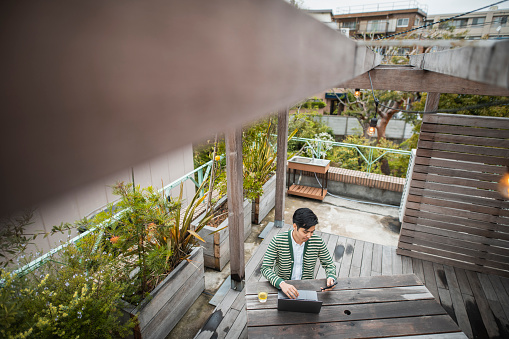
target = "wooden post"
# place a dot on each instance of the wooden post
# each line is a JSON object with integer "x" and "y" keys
{"x": 432, "y": 102}
{"x": 235, "y": 206}
{"x": 282, "y": 150}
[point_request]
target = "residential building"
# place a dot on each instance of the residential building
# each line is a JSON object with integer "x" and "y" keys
{"x": 490, "y": 24}
{"x": 325, "y": 16}
{"x": 381, "y": 19}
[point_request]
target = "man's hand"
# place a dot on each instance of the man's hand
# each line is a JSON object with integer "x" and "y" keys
{"x": 290, "y": 290}
{"x": 330, "y": 282}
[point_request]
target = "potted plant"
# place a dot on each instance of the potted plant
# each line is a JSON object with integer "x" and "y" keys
{"x": 157, "y": 252}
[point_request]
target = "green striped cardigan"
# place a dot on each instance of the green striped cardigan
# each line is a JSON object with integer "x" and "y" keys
{"x": 277, "y": 264}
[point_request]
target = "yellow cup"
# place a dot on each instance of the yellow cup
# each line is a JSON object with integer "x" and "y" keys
{"x": 262, "y": 296}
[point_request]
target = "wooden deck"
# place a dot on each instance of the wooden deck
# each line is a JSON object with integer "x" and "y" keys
{"x": 478, "y": 303}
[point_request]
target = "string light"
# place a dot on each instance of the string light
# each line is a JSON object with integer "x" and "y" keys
{"x": 372, "y": 127}
{"x": 373, "y": 122}
{"x": 503, "y": 184}
{"x": 357, "y": 92}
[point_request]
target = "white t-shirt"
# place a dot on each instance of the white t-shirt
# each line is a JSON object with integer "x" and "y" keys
{"x": 298, "y": 255}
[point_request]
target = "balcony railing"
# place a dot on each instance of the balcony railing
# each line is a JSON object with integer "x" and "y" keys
{"x": 377, "y": 7}
{"x": 318, "y": 148}
{"x": 202, "y": 174}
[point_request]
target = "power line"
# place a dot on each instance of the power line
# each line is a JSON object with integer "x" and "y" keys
{"x": 443, "y": 20}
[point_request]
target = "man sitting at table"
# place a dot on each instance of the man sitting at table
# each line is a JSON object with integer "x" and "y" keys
{"x": 292, "y": 255}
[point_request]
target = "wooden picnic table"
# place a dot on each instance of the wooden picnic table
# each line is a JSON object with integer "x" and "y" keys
{"x": 361, "y": 307}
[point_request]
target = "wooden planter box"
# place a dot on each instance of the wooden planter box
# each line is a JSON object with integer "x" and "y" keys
{"x": 265, "y": 203}
{"x": 216, "y": 249}
{"x": 170, "y": 300}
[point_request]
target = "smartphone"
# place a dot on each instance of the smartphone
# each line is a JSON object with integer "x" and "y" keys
{"x": 324, "y": 288}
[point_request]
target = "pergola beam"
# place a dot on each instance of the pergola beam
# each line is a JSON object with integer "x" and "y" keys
{"x": 486, "y": 64}
{"x": 92, "y": 87}
{"x": 411, "y": 79}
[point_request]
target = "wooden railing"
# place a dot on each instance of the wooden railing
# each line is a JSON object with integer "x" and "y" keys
{"x": 454, "y": 214}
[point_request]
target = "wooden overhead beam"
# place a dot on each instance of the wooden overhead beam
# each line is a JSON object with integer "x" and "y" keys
{"x": 486, "y": 64}
{"x": 411, "y": 79}
{"x": 92, "y": 87}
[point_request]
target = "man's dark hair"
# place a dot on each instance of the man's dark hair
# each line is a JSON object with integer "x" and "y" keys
{"x": 304, "y": 218}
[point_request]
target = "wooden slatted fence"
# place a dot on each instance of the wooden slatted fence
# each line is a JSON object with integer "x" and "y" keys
{"x": 454, "y": 214}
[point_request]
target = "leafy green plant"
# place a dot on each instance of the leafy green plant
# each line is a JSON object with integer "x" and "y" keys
{"x": 259, "y": 160}
{"x": 152, "y": 236}
{"x": 75, "y": 295}
{"x": 13, "y": 239}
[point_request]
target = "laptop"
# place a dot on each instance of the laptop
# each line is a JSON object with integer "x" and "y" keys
{"x": 306, "y": 302}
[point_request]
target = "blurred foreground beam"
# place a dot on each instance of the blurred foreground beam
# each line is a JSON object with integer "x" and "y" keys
{"x": 412, "y": 79}
{"x": 92, "y": 87}
{"x": 487, "y": 64}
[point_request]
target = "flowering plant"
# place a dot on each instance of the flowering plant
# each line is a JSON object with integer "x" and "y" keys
{"x": 74, "y": 295}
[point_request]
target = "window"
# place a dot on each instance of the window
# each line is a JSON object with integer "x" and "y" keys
{"x": 349, "y": 24}
{"x": 417, "y": 22}
{"x": 477, "y": 21}
{"x": 459, "y": 23}
{"x": 377, "y": 26}
{"x": 499, "y": 21}
{"x": 402, "y": 22}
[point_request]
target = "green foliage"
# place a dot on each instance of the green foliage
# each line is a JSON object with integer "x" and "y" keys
{"x": 451, "y": 101}
{"x": 349, "y": 158}
{"x": 13, "y": 239}
{"x": 259, "y": 158}
{"x": 313, "y": 104}
{"x": 202, "y": 153}
{"x": 318, "y": 149}
{"x": 306, "y": 127}
{"x": 74, "y": 296}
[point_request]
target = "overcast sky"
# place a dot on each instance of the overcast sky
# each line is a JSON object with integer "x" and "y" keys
{"x": 434, "y": 6}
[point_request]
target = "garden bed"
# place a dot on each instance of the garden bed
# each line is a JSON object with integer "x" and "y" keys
{"x": 216, "y": 249}
{"x": 170, "y": 300}
{"x": 263, "y": 204}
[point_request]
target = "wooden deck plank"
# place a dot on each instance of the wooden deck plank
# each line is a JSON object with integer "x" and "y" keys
{"x": 386, "y": 260}
{"x": 376, "y": 262}
{"x": 407, "y": 264}
{"x": 429, "y": 277}
{"x": 355, "y": 267}
{"x": 238, "y": 329}
{"x": 367, "y": 259}
{"x": 474, "y": 317}
{"x": 463, "y": 281}
{"x": 331, "y": 245}
{"x": 397, "y": 263}
{"x": 325, "y": 237}
{"x": 457, "y": 301}
{"x": 484, "y": 307}
{"x": 339, "y": 252}
{"x": 501, "y": 293}
{"x": 446, "y": 301}
{"x": 440, "y": 277}
{"x": 344, "y": 271}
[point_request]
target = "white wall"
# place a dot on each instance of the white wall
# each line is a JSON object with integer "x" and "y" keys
{"x": 87, "y": 200}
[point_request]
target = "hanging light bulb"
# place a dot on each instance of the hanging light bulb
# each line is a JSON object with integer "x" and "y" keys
{"x": 503, "y": 184}
{"x": 372, "y": 127}
{"x": 357, "y": 93}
